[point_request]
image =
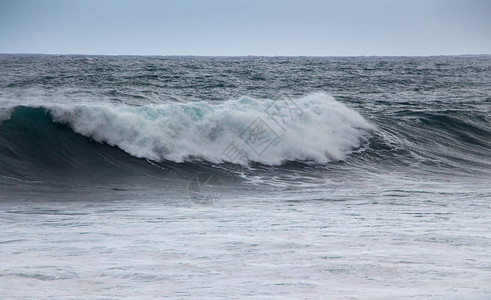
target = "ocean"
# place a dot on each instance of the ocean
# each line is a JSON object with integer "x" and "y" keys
{"x": 138, "y": 177}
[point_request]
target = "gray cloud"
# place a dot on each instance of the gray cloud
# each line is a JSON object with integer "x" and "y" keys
{"x": 227, "y": 27}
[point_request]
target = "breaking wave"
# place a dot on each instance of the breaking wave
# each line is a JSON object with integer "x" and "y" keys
{"x": 99, "y": 142}
{"x": 313, "y": 128}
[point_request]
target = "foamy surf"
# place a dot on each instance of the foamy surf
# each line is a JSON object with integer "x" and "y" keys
{"x": 321, "y": 130}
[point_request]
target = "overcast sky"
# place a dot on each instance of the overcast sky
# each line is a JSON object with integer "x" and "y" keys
{"x": 246, "y": 27}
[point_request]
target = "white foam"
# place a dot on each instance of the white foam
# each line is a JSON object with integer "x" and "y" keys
{"x": 5, "y": 114}
{"x": 316, "y": 128}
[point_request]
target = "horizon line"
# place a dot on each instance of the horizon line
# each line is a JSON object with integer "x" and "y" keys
{"x": 247, "y": 55}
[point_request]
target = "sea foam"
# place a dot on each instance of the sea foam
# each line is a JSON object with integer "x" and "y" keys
{"x": 313, "y": 128}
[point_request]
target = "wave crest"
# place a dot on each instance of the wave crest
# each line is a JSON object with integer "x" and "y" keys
{"x": 315, "y": 127}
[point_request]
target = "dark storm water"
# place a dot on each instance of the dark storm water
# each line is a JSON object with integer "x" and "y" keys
{"x": 374, "y": 180}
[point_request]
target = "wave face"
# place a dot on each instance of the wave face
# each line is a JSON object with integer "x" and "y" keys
{"x": 322, "y": 130}
{"x": 34, "y": 148}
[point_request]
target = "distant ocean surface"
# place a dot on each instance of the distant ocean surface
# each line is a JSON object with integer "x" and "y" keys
{"x": 132, "y": 177}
